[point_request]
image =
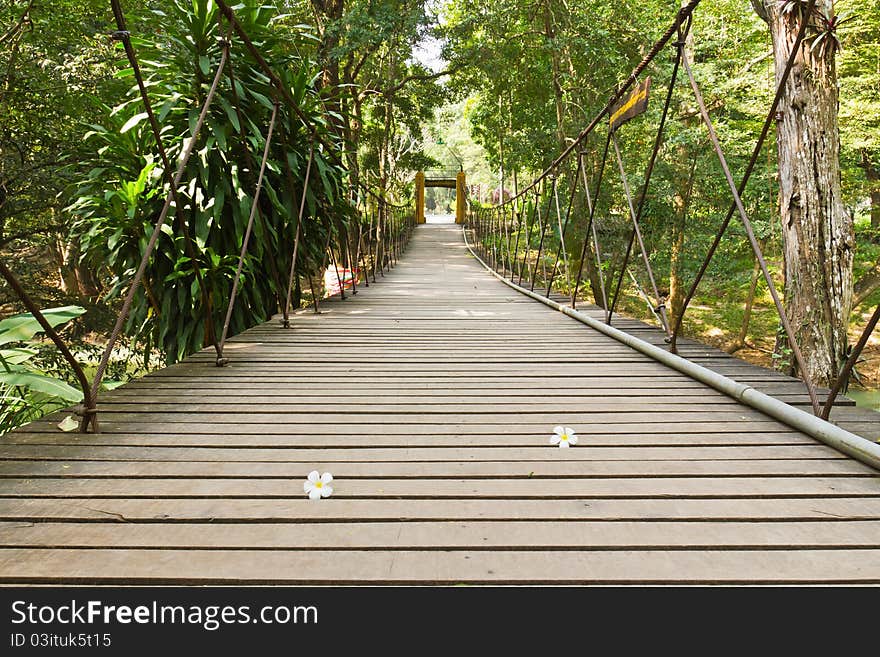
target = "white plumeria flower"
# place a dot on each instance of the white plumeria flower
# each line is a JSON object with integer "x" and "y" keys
{"x": 564, "y": 437}
{"x": 318, "y": 485}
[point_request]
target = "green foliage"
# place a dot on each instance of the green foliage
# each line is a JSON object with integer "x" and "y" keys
{"x": 123, "y": 185}
{"x": 27, "y": 391}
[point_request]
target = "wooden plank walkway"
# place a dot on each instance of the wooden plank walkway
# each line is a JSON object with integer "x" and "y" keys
{"x": 431, "y": 398}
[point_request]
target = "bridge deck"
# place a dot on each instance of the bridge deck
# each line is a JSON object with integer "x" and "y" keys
{"x": 431, "y": 398}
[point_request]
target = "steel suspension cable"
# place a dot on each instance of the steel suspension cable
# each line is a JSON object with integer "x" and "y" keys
{"x": 124, "y": 36}
{"x": 245, "y": 242}
{"x": 747, "y": 224}
{"x": 563, "y": 228}
{"x": 302, "y": 206}
{"x": 595, "y": 234}
{"x": 590, "y": 223}
{"x": 750, "y": 167}
{"x": 90, "y": 412}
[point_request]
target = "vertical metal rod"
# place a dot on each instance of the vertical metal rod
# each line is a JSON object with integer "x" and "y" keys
{"x": 507, "y": 232}
{"x": 371, "y": 261}
{"x": 154, "y": 238}
{"x": 595, "y": 235}
{"x": 348, "y": 261}
{"x": 379, "y": 263}
{"x": 125, "y": 38}
{"x": 496, "y": 226}
{"x": 335, "y": 263}
{"x": 521, "y": 213}
{"x": 563, "y": 228}
{"x": 314, "y": 295}
{"x": 544, "y": 225}
{"x": 765, "y": 131}
{"x": 660, "y": 310}
{"x": 245, "y": 242}
{"x": 528, "y": 245}
{"x": 595, "y": 205}
{"x": 843, "y": 376}
{"x": 359, "y": 251}
{"x": 747, "y": 224}
{"x": 682, "y": 25}
{"x": 299, "y": 220}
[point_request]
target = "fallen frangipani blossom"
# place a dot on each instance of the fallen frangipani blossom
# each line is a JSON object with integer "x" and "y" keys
{"x": 564, "y": 437}
{"x": 68, "y": 424}
{"x": 318, "y": 485}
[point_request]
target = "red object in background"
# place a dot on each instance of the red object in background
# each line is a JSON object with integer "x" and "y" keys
{"x": 331, "y": 280}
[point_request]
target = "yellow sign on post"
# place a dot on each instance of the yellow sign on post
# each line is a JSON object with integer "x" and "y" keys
{"x": 420, "y": 197}
{"x": 460, "y": 198}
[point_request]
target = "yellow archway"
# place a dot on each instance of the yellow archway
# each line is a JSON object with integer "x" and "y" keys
{"x": 456, "y": 183}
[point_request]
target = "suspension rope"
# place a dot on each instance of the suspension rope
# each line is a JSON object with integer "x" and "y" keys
{"x": 151, "y": 244}
{"x": 593, "y": 205}
{"x": 595, "y": 234}
{"x": 750, "y": 167}
{"x": 299, "y": 220}
{"x": 563, "y": 228}
{"x": 245, "y": 242}
{"x": 660, "y": 310}
{"x": 747, "y": 224}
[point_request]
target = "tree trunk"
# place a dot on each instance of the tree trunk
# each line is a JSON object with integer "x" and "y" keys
{"x": 681, "y": 200}
{"x": 817, "y": 231}
{"x": 558, "y": 93}
{"x": 328, "y": 14}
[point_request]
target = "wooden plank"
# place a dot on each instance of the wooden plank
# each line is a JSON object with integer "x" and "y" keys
{"x": 445, "y": 469}
{"x": 348, "y": 510}
{"x": 468, "y": 535}
{"x": 415, "y": 454}
{"x": 376, "y": 437}
{"x": 401, "y": 426}
{"x": 842, "y": 566}
{"x": 743, "y": 417}
{"x": 437, "y": 489}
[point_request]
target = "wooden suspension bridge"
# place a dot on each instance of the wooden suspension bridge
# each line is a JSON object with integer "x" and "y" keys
{"x": 431, "y": 398}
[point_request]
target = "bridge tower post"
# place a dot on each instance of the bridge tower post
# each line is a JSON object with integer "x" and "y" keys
{"x": 460, "y": 198}
{"x": 420, "y": 197}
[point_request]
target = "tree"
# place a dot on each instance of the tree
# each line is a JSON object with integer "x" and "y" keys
{"x": 123, "y": 186}
{"x": 52, "y": 73}
{"x": 818, "y": 239}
